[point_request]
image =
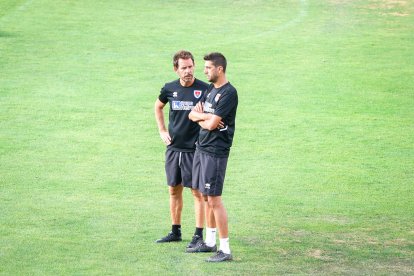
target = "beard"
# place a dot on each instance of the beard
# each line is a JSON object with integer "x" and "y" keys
{"x": 187, "y": 78}
{"x": 213, "y": 78}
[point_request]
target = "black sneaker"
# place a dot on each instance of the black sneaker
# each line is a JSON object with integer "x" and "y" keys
{"x": 201, "y": 247}
{"x": 194, "y": 241}
{"x": 220, "y": 257}
{"x": 171, "y": 237}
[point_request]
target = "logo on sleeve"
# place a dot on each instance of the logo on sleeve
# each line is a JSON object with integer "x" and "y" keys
{"x": 197, "y": 93}
{"x": 217, "y": 97}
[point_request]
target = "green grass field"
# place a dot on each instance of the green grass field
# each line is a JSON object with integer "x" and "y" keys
{"x": 321, "y": 174}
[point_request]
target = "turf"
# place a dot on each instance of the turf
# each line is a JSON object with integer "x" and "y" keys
{"x": 320, "y": 177}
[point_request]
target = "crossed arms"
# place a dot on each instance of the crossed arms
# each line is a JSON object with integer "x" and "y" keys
{"x": 205, "y": 120}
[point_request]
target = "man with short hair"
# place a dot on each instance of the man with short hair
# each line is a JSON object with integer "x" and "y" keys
{"x": 216, "y": 114}
{"x": 182, "y": 95}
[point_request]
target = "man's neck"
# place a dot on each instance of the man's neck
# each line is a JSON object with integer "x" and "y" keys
{"x": 220, "y": 82}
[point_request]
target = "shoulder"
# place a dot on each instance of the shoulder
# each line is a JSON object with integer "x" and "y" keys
{"x": 171, "y": 85}
{"x": 230, "y": 88}
{"x": 229, "y": 91}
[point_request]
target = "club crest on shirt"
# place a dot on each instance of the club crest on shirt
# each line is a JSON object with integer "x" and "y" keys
{"x": 175, "y": 94}
{"x": 217, "y": 97}
{"x": 197, "y": 93}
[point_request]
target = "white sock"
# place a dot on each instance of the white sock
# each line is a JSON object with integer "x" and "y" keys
{"x": 211, "y": 236}
{"x": 225, "y": 245}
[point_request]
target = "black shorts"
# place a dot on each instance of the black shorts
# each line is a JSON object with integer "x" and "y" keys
{"x": 209, "y": 173}
{"x": 178, "y": 168}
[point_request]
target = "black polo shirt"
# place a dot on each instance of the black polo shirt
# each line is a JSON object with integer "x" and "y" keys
{"x": 182, "y": 100}
{"x": 221, "y": 102}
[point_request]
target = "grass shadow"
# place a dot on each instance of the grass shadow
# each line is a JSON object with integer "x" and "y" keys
{"x": 6, "y": 34}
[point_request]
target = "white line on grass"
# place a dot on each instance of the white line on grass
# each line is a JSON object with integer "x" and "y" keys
{"x": 303, "y": 11}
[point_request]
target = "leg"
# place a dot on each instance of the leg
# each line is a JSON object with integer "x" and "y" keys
{"x": 198, "y": 208}
{"x": 211, "y": 222}
{"x": 197, "y": 244}
{"x": 220, "y": 215}
{"x": 176, "y": 206}
{"x": 175, "y": 189}
{"x": 224, "y": 254}
{"x": 211, "y": 225}
{"x": 176, "y": 203}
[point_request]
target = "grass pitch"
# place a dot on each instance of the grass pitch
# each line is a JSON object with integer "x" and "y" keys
{"x": 320, "y": 177}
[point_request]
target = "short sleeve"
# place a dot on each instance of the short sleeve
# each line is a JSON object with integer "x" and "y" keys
{"x": 163, "y": 97}
{"x": 227, "y": 102}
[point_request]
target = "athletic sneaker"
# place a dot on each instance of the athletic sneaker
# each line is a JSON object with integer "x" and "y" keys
{"x": 171, "y": 237}
{"x": 201, "y": 247}
{"x": 194, "y": 241}
{"x": 220, "y": 257}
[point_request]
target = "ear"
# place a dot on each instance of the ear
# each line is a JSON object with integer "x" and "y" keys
{"x": 175, "y": 69}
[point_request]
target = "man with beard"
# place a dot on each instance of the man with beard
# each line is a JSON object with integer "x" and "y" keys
{"x": 182, "y": 95}
{"x": 216, "y": 114}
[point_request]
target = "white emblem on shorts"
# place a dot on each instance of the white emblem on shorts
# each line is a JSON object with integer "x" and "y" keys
{"x": 207, "y": 186}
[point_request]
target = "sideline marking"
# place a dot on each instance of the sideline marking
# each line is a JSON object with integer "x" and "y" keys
{"x": 303, "y": 11}
{"x": 301, "y": 14}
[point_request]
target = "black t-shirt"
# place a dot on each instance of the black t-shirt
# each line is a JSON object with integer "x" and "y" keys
{"x": 221, "y": 102}
{"x": 182, "y": 100}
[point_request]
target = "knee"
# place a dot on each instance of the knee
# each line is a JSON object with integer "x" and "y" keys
{"x": 197, "y": 195}
{"x": 175, "y": 191}
{"x": 213, "y": 202}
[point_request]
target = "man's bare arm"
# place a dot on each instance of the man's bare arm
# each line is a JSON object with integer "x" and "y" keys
{"x": 159, "y": 117}
{"x": 212, "y": 122}
{"x": 205, "y": 120}
{"x": 197, "y": 115}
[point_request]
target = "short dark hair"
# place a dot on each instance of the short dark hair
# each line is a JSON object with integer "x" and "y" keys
{"x": 183, "y": 54}
{"x": 217, "y": 59}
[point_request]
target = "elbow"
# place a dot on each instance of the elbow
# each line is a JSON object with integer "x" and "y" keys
{"x": 193, "y": 116}
{"x": 210, "y": 126}
{"x": 190, "y": 116}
